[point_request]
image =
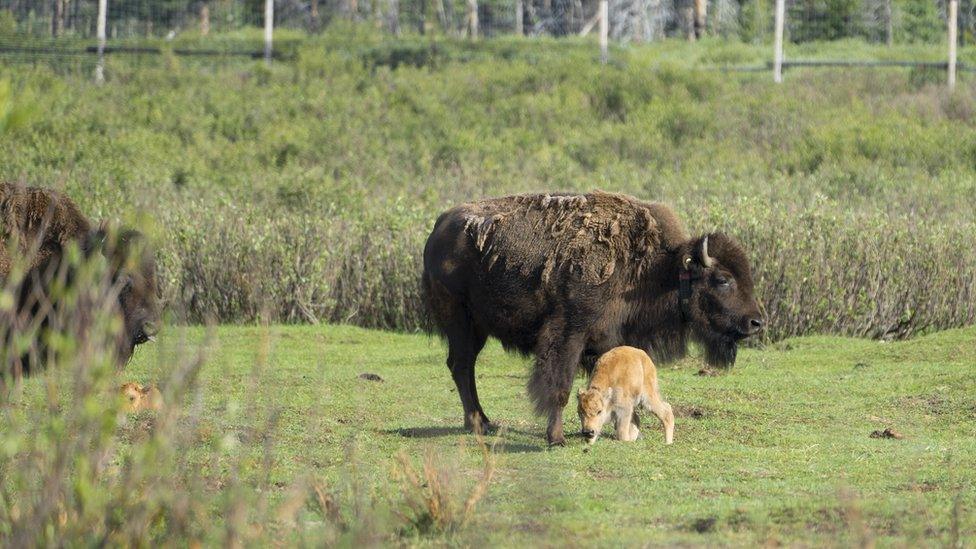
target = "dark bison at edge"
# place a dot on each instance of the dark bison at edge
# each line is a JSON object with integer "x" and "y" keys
{"x": 566, "y": 277}
{"x": 37, "y": 226}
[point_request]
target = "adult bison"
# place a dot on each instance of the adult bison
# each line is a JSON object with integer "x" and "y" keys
{"x": 566, "y": 277}
{"x": 37, "y": 229}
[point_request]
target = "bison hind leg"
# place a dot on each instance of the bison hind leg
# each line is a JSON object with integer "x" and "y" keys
{"x": 465, "y": 339}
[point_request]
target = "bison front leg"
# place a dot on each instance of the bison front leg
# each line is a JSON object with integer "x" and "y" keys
{"x": 552, "y": 381}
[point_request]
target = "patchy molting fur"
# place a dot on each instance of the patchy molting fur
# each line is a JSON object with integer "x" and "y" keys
{"x": 565, "y": 278}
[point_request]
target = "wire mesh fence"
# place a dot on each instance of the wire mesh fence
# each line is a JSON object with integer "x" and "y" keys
{"x": 36, "y": 28}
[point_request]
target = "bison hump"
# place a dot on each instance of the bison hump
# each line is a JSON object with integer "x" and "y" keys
{"x": 585, "y": 237}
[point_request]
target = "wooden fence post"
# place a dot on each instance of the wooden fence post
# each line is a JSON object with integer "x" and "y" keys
{"x": 519, "y": 25}
{"x": 473, "y": 18}
{"x": 778, "y": 41}
{"x": 604, "y": 31}
{"x": 889, "y": 24}
{"x": 204, "y": 20}
{"x": 268, "y": 29}
{"x": 953, "y": 15}
{"x": 100, "y": 31}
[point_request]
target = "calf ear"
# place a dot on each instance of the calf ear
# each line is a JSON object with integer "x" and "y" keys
{"x": 608, "y": 394}
{"x": 581, "y": 392}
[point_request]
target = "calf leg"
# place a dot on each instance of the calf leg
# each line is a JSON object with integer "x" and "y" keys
{"x": 662, "y": 410}
{"x": 625, "y": 429}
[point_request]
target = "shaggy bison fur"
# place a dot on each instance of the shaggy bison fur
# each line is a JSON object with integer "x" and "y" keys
{"x": 37, "y": 229}
{"x": 567, "y": 277}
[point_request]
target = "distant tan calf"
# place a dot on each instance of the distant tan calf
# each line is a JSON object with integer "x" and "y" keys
{"x": 138, "y": 398}
{"x": 624, "y": 379}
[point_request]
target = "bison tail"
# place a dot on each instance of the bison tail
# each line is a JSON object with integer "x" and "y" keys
{"x": 427, "y": 323}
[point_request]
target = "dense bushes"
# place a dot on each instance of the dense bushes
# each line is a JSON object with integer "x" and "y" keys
{"x": 304, "y": 192}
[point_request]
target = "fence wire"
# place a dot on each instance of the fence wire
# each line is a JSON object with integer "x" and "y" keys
{"x": 36, "y": 28}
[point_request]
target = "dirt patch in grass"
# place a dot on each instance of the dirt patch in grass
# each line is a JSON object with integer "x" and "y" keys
{"x": 370, "y": 377}
{"x": 935, "y": 404}
{"x": 923, "y": 486}
{"x": 703, "y": 525}
{"x": 887, "y": 433}
{"x": 692, "y": 411}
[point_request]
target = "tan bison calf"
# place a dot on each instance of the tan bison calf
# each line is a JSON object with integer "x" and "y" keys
{"x": 623, "y": 380}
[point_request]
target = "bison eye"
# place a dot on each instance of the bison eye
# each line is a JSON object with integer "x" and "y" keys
{"x": 722, "y": 282}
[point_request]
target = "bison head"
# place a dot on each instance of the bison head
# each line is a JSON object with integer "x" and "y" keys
{"x": 133, "y": 272}
{"x": 717, "y": 296}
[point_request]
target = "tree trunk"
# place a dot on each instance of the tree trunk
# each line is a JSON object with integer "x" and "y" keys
{"x": 889, "y": 27}
{"x": 448, "y": 7}
{"x": 313, "y": 15}
{"x": 422, "y": 24}
{"x": 75, "y": 15}
{"x": 701, "y": 14}
{"x": 441, "y": 15}
{"x": 688, "y": 20}
{"x": 393, "y": 17}
{"x": 57, "y": 18}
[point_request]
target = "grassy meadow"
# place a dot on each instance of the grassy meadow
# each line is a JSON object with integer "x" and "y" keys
{"x": 288, "y": 206}
{"x": 778, "y": 451}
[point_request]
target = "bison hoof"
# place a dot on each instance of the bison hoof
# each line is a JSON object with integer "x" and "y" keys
{"x": 484, "y": 427}
{"x": 557, "y": 441}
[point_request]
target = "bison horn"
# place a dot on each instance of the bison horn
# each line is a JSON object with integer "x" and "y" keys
{"x": 706, "y": 261}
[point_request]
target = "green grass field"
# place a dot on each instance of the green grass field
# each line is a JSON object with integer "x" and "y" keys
{"x": 303, "y": 192}
{"x": 778, "y": 450}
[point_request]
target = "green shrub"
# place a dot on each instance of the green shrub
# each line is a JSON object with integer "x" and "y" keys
{"x": 304, "y": 192}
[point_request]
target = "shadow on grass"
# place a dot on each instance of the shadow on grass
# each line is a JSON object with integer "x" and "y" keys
{"x": 427, "y": 432}
{"x": 503, "y": 446}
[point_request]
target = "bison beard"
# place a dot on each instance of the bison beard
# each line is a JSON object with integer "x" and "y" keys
{"x": 567, "y": 277}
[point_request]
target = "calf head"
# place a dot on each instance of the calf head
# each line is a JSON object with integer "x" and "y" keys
{"x": 594, "y": 407}
{"x": 136, "y": 398}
